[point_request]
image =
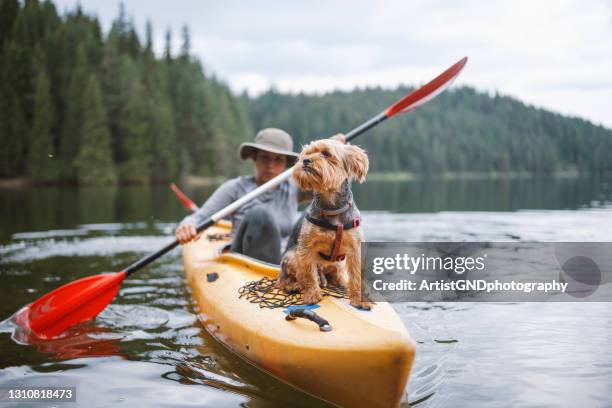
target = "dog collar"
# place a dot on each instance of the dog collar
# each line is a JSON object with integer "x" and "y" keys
{"x": 323, "y": 223}
{"x": 323, "y": 212}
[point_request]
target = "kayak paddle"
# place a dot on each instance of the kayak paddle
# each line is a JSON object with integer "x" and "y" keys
{"x": 187, "y": 203}
{"x": 84, "y": 298}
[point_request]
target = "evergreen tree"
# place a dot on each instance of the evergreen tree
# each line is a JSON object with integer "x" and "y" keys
{"x": 149, "y": 37}
{"x": 8, "y": 13}
{"x": 168, "y": 46}
{"x": 14, "y": 133}
{"x": 164, "y": 164}
{"x": 6, "y": 116}
{"x": 95, "y": 161}
{"x": 15, "y": 102}
{"x": 42, "y": 163}
{"x": 136, "y": 144}
{"x": 72, "y": 129}
{"x": 186, "y": 46}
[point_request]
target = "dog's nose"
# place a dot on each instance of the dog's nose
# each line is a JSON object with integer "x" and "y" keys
{"x": 306, "y": 162}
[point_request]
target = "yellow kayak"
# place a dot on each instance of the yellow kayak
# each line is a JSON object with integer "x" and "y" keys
{"x": 364, "y": 361}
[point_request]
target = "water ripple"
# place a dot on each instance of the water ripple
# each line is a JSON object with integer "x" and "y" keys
{"x": 76, "y": 247}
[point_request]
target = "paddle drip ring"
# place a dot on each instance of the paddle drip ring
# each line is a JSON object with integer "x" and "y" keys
{"x": 264, "y": 293}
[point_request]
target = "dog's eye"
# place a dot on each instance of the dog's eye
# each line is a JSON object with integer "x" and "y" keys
{"x": 325, "y": 153}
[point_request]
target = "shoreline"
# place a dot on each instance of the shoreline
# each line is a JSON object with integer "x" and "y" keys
{"x": 468, "y": 175}
{"x": 208, "y": 181}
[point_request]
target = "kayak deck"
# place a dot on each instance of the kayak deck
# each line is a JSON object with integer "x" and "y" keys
{"x": 364, "y": 361}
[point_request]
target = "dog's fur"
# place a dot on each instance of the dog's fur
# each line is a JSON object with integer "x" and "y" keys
{"x": 326, "y": 167}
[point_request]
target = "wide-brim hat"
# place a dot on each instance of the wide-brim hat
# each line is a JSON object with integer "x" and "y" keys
{"x": 271, "y": 140}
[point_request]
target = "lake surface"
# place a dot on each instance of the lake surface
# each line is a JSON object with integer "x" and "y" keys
{"x": 148, "y": 348}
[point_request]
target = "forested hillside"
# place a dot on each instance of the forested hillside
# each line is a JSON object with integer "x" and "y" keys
{"x": 461, "y": 130}
{"x": 80, "y": 105}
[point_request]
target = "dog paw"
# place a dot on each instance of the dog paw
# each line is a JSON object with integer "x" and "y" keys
{"x": 362, "y": 305}
{"x": 312, "y": 297}
{"x": 288, "y": 287}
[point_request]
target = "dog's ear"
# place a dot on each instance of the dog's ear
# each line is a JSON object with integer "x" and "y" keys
{"x": 356, "y": 160}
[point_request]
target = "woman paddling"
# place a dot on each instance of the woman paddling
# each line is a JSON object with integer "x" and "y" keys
{"x": 261, "y": 227}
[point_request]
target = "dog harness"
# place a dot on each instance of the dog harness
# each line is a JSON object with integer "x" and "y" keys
{"x": 339, "y": 228}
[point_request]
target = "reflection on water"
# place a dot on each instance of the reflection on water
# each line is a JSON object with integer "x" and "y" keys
{"x": 84, "y": 340}
{"x": 484, "y": 195}
{"x": 67, "y": 208}
{"x": 148, "y": 349}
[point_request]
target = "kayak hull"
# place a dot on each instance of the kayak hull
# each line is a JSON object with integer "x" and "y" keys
{"x": 365, "y": 360}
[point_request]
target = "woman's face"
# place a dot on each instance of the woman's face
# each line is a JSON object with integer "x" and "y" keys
{"x": 268, "y": 165}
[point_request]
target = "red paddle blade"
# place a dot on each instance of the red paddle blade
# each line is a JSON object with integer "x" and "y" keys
{"x": 190, "y": 205}
{"x": 70, "y": 304}
{"x": 428, "y": 91}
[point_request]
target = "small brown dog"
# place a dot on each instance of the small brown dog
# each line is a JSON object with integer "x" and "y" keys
{"x": 327, "y": 246}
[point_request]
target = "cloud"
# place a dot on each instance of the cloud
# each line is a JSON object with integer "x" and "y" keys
{"x": 549, "y": 53}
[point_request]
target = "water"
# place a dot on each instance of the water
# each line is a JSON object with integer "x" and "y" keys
{"x": 148, "y": 349}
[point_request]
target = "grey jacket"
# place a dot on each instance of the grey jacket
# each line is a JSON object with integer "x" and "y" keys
{"x": 283, "y": 201}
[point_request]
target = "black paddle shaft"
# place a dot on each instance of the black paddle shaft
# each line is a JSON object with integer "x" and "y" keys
{"x": 141, "y": 263}
{"x": 366, "y": 126}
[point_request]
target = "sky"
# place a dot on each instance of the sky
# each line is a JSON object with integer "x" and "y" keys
{"x": 554, "y": 54}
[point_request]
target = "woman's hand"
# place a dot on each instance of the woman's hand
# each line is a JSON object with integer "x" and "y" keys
{"x": 186, "y": 233}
